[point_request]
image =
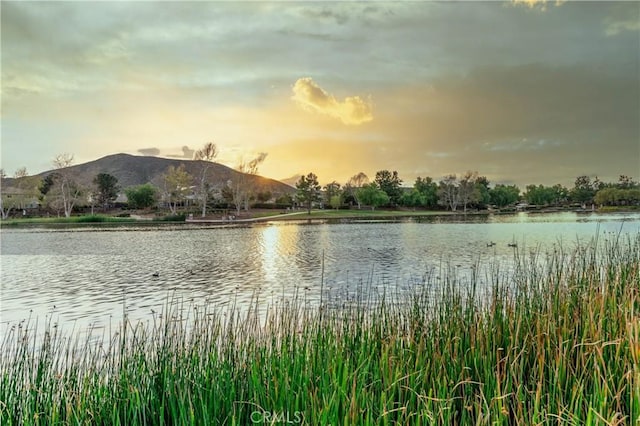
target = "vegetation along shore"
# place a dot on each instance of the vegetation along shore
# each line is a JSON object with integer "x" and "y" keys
{"x": 554, "y": 341}
{"x": 125, "y": 185}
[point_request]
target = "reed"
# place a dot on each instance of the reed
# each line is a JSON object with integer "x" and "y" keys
{"x": 554, "y": 341}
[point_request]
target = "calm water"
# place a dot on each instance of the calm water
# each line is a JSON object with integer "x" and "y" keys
{"x": 90, "y": 276}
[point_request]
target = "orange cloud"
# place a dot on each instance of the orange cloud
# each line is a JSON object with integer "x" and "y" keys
{"x": 353, "y": 110}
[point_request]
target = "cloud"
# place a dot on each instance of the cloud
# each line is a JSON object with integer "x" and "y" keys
{"x": 532, "y": 4}
{"x": 623, "y": 17}
{"x": 353, "y": 110}
{"x": 187, "y": 153}
{"x": 149, "y": 151}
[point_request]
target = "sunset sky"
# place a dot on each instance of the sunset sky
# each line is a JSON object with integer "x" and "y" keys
{"x": 522, "y": 92}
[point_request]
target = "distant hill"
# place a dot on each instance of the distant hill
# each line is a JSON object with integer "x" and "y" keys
{"x": 291, "y": 181}
{"x": 137, "y": 170}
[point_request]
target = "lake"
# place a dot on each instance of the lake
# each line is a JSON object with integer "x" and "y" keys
{"x": 81, "y": 277}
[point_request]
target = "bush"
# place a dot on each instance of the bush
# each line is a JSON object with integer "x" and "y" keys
{"x": 91, "y": 219}
{"x": 172, "y": 218}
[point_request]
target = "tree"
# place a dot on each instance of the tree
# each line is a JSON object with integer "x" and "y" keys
{"x": 412, "y": 198}
{"x": 372, "y": 196}
{"x": 69, "y": 190}
{"x": 142, "y": 196}
{"x": 483, "y": 196}
{"x": 390, "y": 183}
{"x": 353, "y": 184}
{"x": 47, "y": 183}
{"x": 242, "y": 187}
{"x": 308, "y": 190}
{"x": 614, "y": 196}
{"x": 467, "y": 191}
{"x": 448, "y": 192}
{"x": 106, "y": 189}
{"x": 504, "y": 195}
{"x": 176, "y": 186}
{"x": 545, "y": 195}
{"x": 428, "y": 191}
{"x": 19, "y": 195}
{"x": 583, "y": 190}
{"x": 263, "y": 196}
{"x": 331, "y": 190}
{"x": 335, "y": 201}
{"x": 205, "y": 156}
{"x": 285, "y": 199}
{"x": 626, "y": 182}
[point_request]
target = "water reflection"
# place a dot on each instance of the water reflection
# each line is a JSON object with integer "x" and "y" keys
{"x": 94, "y": 277}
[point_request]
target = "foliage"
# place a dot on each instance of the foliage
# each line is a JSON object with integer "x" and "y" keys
{"x": 423, "y": 194}
{"x": 504, "y": 195}
{"x": 553, "y": 343}
{"x": 335, "y": 201}
{"x": 263, "y": 196}
{"x": 331, "y": 190}
{"x": 373, "y": 196}
{"x": 412, "y": 198}
{"x": 106, "y": 188}
{"x": 617, "y": 196}
{"x": 545, "y": 195}
{"x": 171, "y": 218}
{"x": 142, "y": 196}
{"x": 308, "y": 190}
{"x": 176, "y": 186}
{"x": 350, "y": 189}
{"x": 285, "y": 199}
{"x": 583, "y": 190}
{"x": 389, "y": 182}
{"x": 47, "y": 183}
{"x": 483, "y": 192}
{"x": 428, "y": 191}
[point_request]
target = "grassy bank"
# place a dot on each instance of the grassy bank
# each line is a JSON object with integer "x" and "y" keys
{"x": 551, "y": 343}
{"x": 86, "y": 219}
{"x": 66, "y": 220}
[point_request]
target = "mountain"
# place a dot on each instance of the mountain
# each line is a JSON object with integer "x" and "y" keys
{"x": 137, "y": 170}
{"x": 292, "y": 180}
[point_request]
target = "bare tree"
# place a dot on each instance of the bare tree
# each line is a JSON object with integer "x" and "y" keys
{"x": 448, "y": 192}
{"x": 206, "y": 155}
{"x": 467, "y": 190}
{"x": 243, "y": 186}
{"x": 69, "y": 190}
{"x": 356, "y": 182}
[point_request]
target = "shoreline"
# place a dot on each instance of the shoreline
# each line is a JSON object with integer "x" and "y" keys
{"x": 297, "y": 216}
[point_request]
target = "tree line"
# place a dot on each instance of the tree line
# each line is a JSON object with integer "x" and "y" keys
{"x": 61, "y": 193}
{"x": 453, "y": 192}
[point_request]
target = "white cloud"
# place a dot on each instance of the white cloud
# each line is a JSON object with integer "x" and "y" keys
{"x": 353, "y": 110}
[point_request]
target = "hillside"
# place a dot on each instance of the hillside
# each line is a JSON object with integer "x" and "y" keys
{"x": 136, "y": 170}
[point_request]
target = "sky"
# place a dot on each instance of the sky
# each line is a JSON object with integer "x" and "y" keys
{"x": 524, "y": 92}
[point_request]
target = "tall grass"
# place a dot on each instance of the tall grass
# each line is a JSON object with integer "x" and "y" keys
{"x": 557, "y": 341}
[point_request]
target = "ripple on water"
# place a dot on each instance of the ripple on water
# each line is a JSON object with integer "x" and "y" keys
{"x": 94, "y": 277}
